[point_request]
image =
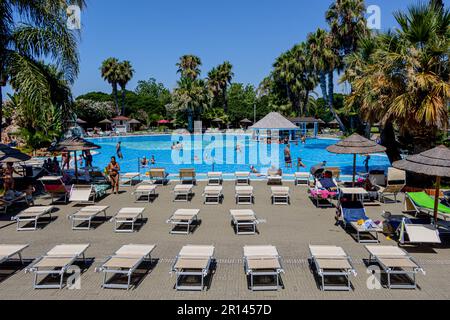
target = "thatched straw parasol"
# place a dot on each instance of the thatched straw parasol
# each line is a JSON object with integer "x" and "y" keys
{"x": 434, "y": 162}
{"x": 106, "y": 121}
{"x": 356, "y": 144}
{"x": 74, "y": 144}
{"x": 8, "y": 154}
{"x": 246, "y": 121}
{"x": 81, "y": 121}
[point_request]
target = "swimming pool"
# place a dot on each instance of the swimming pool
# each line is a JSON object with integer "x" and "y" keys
{"x": 225, "y": 153}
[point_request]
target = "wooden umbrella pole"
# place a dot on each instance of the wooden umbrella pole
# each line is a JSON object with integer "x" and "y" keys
{"x": 436, "y": 199}
{"x": 76, "y": 167}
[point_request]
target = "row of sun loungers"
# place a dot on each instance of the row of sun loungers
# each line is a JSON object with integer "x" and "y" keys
{"x": 196, "y": 261}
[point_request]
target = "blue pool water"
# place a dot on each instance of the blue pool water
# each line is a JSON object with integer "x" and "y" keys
{"x": 227, "y": 154}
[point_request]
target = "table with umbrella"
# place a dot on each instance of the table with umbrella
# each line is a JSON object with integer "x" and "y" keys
{"x": 434, "y": 162}
{"x": 356, "y": 145}
{"x": 74, "y": 145}
{"x": 246, "y": 122}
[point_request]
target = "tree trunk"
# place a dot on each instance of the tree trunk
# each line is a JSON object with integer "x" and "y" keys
{"x": 225, "y": 101}
{"x": 123, "y": 100}
{"x": 388, "y": 140}
{"x": 323, "y": 87}
{"x": 116, "y": 98}
{"x": 305, "y": 103}
{"x": 1, "y": 113}
{"x": 331, "y": 101}
{"x": 190, "y": 120}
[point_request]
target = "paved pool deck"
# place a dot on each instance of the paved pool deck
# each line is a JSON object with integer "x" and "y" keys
{"x": 290, "y": 228}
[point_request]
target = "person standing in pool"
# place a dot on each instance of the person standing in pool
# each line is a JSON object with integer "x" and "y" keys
{"x": 366, "y": 163}
{"x": 119, "y": 150}
{"x": 287, "y": 156}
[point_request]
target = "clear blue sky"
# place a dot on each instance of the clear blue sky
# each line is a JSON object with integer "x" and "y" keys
{"x": 154, "y": 34}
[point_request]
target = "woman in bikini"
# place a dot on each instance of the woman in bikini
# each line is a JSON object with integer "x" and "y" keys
{"x": 113, "y": 172}
{"x": 8, "y": 177}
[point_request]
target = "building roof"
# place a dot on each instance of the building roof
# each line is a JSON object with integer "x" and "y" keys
{"x": 306, "y": 120}
{"x": 274, "y": 121}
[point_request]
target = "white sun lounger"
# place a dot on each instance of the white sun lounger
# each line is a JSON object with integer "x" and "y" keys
{"x": 7, "y": 251}
{"x": 127, "y": 216}
{"x": 242, "y": 178}
{"x": 244, "y": 195}
{"x": 83, "y": 194}
{"x": 215, "y": 178}
{"x": 86, "y": 215}
{"x": 281, "y": 195}
{"x": 127, "y": 179}
{"x": 263, "y": 261}
{"x": 183, "y": 218}
{"x": 56, "y": 263}
{"x": 193, "y": 260}
{"x": 213, "y": 194}
{"x": 418, "y": 233}
{"x": 395, "y": 261}
{"x": 332, "y": 261}
{"x": 245, "y": 221}
{"x": 125, "y": 262}
{"x": 145, "y": 191}
{"x": 183, "y": 192}
{"x": 32, "y": 214}
{"x": 301, "y": 178}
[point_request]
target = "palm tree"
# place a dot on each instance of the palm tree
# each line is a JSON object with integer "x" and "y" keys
{"x": 226, "y": 75}
{"x": 189, "y": 67}
{"x": 347, "y": 23}
{"x": 404, "y": 80}
{"x": 214, "y": 83}
{"x": 192, "y": 97}
{"x": 325, "y": 60}
{"x": 32, "y": 31}
{"x": 110, "y": 71}
{"x": 126, "y": 73}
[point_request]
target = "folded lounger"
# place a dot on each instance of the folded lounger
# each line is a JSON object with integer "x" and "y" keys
{"x": 414, "y": 232}
{"x": 7, "y": 251}
{"x": 55, "y": 187}
{"x": 32, "y": 214}
{"x": 145, "y": 193}
{"x": 396, "y": 181}
{"x": 242, "y": 178}
{"x": 86, "y": 215}
{"x": 332, "y": 261}
{"x": 193, "y": 261}
{"x": 215, "y": 178}
{"x": 127, "y": 179}
{"x": 245, "y": 221}
{"x": 124, "y": 262}
{"x": 263, "y": 261}
{"x": 127, "y": 216}
{"x": 244, "y": 195}
{"x": 395, "y": 261}
{"x": 301, "y": 178}
{"x": 158, "y": 176}
{"x": 83, "y": 194}
{"x": 188, "y": 176}
{"x": 273, "y": 177}
{"x": 183, "y": 192}
{"x": 183, "y": 218}
{"x": 213, "y": 194}
{"x": 56, "y": 263}
{"x": 281, "y": 195}
{"x": 354, "y": 211}
{"x": 420, "y": 202}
